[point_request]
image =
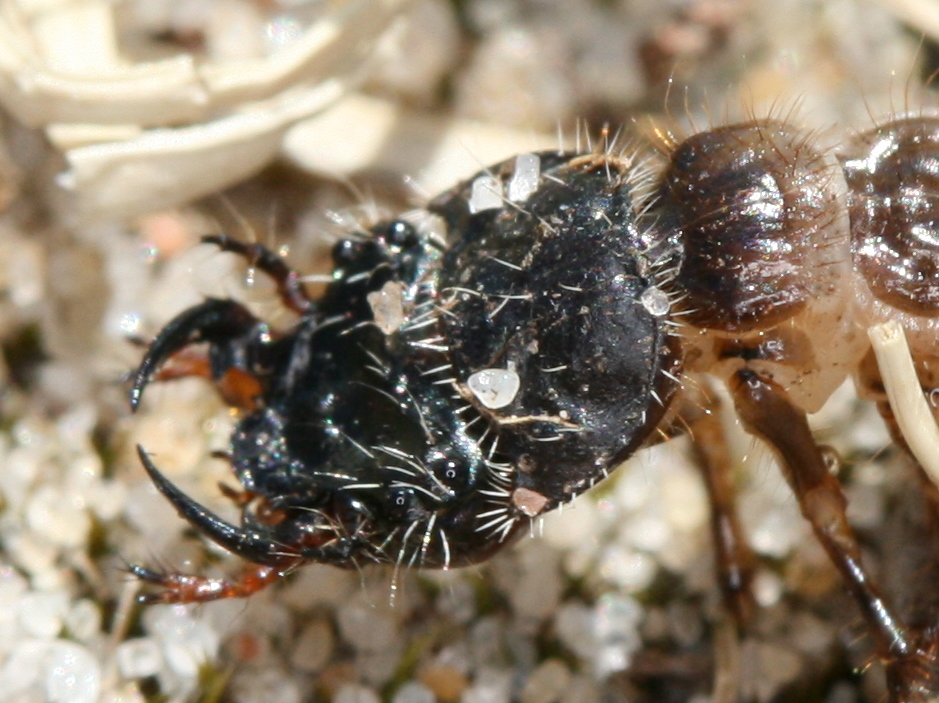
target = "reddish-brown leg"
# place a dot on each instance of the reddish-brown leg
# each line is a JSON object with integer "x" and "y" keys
{"x": 240, "y": 498}
{"x": 289, "y": 287}
{"x": 735, "y": 560}
{"x": 237, "y": 387}
{"x": 182, "y": 588}
{"x": 767, "y": 412}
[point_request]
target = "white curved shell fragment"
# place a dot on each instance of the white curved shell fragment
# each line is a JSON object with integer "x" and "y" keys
{"x": 178, "y": 89}
{"x": 140, "y": 136}
{"x": 162, "y": 167}
{"x": 494, "y": 388}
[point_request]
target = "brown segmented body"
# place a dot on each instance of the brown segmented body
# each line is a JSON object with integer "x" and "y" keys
{"x": 791, "y": 252}
{"x": 893, "y": 173}
{"x": 788, "y": 254}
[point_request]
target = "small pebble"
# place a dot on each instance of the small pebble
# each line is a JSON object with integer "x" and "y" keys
{"x": 685, "y": 500}
{"x": 387, "y": 307}
{"x": 446, "y": 682}
{"x": 12, "y": 586}
{"x": 378, "y": 668}
{"x": 655, "y": 301}
{"x": 486, "y": 637}
{"x": 489, "y": 686}
{"x": 547, "y": 683}
{"x": 139, "y": 657}
{"x": 366, "y": 627}
{"x": 536, "y": 592}
{"x": 618, "y": 619}
{"x": 494, "y": 388}
{"x": 42, "y": 615}
{"x": 525, "y": 177}
{"x": 414, "y": 692}
{"x": 423, "y": 53}
{"x": 187, "y": 642}
{"x": 313, "y": 647}
{"x": 582, "y": 689}
{"x": 457, "y": 600}
{"x": 778, "y": 665}
{"x": 318, "y": 585}
{"x": 72, "y": 674}
{"x": 842, "y": 692}
{"x": 128, "y": 692}
{"x": 354, "y": 693}
{"x": 83, "y": 620}
{"x": 23, "y": 668}
{"x": 572, "y": 526}
{"x": 108, "y": 499}
{"x": 629, "y": 569}
{"x": 685, "y": 623}
{"x": 767, "y": 588}
{"x": 267, "y": 684}
{"x": 866, "y": 505}
{"x": 574, "y": 624}
{"x": 35, "y": 556}
{"x": 649, "y": 532}
{"x": 486, "y": 194}
{"x": 813, "y": 636}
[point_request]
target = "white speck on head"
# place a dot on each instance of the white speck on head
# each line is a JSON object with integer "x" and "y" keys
{"x": 486, "y": 194}
{"x": 526, "y": 177}
{"x": 494, "y": 388}
{"x": 655, "y": 301}
{"x": 388, "y": 306}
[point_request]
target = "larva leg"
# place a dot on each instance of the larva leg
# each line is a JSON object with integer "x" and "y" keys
{"x": 289, "y": 287}
{"x": 734, "y": 557}
{"x": 233, "y": 335}
{"x": 767, "y": 412}
{"x": 184, "y": 588}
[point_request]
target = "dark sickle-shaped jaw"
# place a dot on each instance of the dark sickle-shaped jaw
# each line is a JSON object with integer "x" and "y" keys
{"x": 212, "y": 321}
{"x": 248, "y": 544}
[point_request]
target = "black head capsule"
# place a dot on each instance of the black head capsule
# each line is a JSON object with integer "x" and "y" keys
{"x": 470, "y": 367}
{"x": 556, "y": 296}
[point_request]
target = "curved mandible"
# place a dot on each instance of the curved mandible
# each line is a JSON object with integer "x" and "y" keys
{"x": 247, "y": 544}
{"x": 215, "y": 320}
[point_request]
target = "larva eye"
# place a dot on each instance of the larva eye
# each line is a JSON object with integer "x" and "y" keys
{"x": 398, "y": 234}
